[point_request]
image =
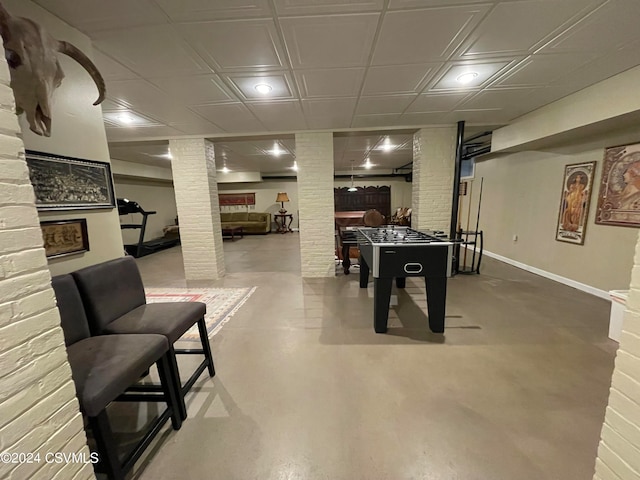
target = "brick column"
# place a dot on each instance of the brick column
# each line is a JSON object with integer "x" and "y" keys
{"x": 39, "y": 412}
{"x": 195, "y": 183}
{"x": 620, "y": 438}
{"x": 434, "y": 153}
{"x": 314, "y": 154}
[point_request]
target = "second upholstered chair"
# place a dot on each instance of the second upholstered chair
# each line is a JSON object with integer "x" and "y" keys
{"x": 104, "y": 370}
{"x": 114, "y": 298}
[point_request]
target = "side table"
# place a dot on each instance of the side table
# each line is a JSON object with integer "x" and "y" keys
{"x": 283, "y": 222}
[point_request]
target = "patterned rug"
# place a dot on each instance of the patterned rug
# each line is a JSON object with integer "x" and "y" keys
{"x": 222, "y": 303}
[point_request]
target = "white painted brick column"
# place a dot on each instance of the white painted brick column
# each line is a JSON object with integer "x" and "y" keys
{"x": 39, "y": 412}
{"x": 619, "y": 449}
{"x": 434, "y": 151}
{"x": 196, "y": 189}
{"x": 314, "y": 154}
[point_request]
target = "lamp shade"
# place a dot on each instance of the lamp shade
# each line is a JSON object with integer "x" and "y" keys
{"x": 282, "y": 197}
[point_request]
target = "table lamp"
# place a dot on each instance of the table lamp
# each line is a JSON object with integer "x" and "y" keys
{"x": 282, "y": 197}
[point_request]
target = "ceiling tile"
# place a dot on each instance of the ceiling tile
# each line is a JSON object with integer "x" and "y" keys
{"x": 384, "y": 105}
{"x": 482, "y": 116}
{"x": 109, "y": 105}
{"x": 231, "y": 118}
{"x": 316, "y": 42}
{"x": 124, "y": 134}
{"x": 428, "y": 35}
{"x": 279, "y": 116}
{"x": 236, "y": 44}
{"x": 484, "y": 73}
{"x": 202, "y": 10}
{"x": 513, "y": 102}
{"x": 198, "y": 127}
{"x": 156, "y": 51}
{"x": 442, "y": 102}
{"x": 91, "y": 16}
{"x": 517, "y": 27}
{"x": 332, "y": 122}
{"x": 195, "y": 89}
{"x": 430, "y": 118}
{"x": 327, "y": 108}
{"x": 110, "y": 69}
{"x": 539, "y": 70}
{"x": 399, "y": 4}
{"x": 612, "y": 25}
{"x": 343, "y": 82}
{"x": 610, "y": 64}
{"x": 305, "y": 7}
{"x": 361, "y": 121}
{"x": 398, "y": 78}
{"x": 150, "y": 101}
{"x": 279, "y": 83}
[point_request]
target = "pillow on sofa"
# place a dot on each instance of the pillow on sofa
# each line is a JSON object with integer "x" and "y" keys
{"x": 225, "y": 216}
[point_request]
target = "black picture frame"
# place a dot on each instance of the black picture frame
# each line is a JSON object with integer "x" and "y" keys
{"x": 68, "y": 183}
{"x": 65, "y": 237}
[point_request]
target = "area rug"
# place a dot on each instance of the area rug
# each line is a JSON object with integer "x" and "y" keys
{"x": 221, "y": 303}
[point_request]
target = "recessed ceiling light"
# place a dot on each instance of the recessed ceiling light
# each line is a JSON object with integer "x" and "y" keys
{"x": 125, "y": 118}
{"x": 295, "y": 166}
{"x": 276, "y": 152}
{"x": 368, "y": 164}
{"x": 225, "y": 169}
{"x": 467, "y": 77}
{"x": 263, "y": 88}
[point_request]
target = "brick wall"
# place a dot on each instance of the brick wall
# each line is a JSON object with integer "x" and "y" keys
{"x": 196, "y": 189}
{"x": 619, "y": 450}
{"x": 434, "y": 152}
{"x": 39, "y": 411}
{"x": 314, "y": 154}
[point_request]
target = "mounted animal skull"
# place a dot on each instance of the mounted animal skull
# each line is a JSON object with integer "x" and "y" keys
{"x": 35, "y": 71}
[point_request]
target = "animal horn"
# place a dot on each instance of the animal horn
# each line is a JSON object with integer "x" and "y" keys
{"x": 73, "y": 52}
{"x": 4, "y": 23}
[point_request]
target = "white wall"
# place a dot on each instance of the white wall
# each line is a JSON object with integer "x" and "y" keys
{"x": 39, "y": 411}
{"x": 77, "y": 131}
{"x": 525, "y": 189}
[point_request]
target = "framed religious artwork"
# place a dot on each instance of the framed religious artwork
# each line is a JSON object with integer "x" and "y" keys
{"x": 67, "y": 183}
{"x": 577, "y": 184}
{"x": 65, "y": 237}
{"x": 619, "y": 195}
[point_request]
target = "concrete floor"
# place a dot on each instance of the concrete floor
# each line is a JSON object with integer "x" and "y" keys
{"x": 515, "y": 389}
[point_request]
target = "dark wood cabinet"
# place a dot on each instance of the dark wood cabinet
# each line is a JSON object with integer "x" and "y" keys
{"x": 365, "y": 198}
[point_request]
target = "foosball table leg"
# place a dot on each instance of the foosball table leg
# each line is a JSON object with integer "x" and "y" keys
{"x": 381, "y": 297}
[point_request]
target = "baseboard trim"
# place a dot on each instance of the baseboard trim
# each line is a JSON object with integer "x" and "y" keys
{"x": 543, "y": 273}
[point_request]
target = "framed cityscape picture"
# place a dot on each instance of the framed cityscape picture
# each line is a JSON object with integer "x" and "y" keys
{"x": 577, "y": 184}
{"x": 67, "y": 183}
{"x": 619, "y": 195}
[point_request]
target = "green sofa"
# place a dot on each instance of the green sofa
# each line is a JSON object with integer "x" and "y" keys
{"x": 252, "y": 222}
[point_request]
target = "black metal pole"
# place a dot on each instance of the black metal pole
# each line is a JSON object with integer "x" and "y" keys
{"x": 455, "y": 204}
{"x": 456, "y": 180}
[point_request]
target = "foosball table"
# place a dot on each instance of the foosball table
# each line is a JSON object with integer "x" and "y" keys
{"x": 399, "y": 252}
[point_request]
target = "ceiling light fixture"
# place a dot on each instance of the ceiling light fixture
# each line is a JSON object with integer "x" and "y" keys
{"x": 467, "y": 77}
{"x": 368, "y": 164}
{"x": 125, "y": 118}
{"x": 295, "y": 166}
{"x": 276, "y": 150}
{"x": 263, "y": 88}
{"x": 352, "y": 188}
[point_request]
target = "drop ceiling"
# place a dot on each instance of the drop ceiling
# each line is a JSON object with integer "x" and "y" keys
{"x": 190, "y": 67}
